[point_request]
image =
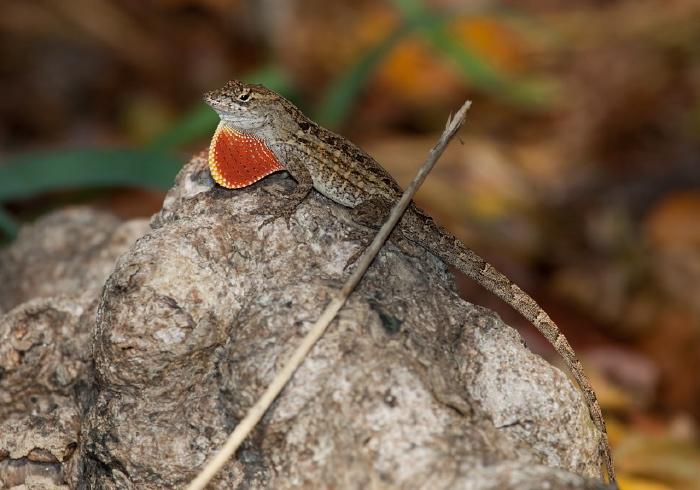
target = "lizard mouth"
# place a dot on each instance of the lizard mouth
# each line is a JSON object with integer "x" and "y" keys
{"x": 240, "y": 120}
{"x": 213, "y": 98}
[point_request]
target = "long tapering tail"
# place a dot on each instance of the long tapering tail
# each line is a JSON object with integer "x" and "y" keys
{"x": 416, "y": 224}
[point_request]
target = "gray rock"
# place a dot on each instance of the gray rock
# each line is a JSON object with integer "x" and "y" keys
{"x": 51, "y": 278}
{"x": 69, "y": 252}
{"x": 411, "y": 387}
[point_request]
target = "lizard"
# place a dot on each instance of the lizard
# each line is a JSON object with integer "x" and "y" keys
{"x": 260, "y": 132}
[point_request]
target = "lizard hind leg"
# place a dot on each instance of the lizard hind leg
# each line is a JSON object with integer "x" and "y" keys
{"x": 372, "y": 213}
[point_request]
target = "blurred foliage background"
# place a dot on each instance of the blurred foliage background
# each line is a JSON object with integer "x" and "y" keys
{"x": 579, "y": 176}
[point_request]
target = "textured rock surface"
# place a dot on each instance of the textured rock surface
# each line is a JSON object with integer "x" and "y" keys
{"x": 70, "y": 252}
{"x": 50, "y": 284}
{"x": 410, "y": 388}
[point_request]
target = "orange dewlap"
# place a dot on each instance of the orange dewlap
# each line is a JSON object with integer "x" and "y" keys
{"x": 238, "y": 159}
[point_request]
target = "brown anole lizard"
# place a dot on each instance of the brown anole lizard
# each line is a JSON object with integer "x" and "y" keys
{"x": 261, "y": 132}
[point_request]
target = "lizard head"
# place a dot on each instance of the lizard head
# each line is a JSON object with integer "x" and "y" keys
{"x": 247, "y": 107}
{"x": 251, "y": 118}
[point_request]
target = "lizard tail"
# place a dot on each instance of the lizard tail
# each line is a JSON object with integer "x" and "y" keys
{"x": 509, "y": 292}
{"x": 451, "y": 250}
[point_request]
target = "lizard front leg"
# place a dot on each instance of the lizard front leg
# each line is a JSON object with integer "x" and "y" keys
{"x": 295, "y": 166}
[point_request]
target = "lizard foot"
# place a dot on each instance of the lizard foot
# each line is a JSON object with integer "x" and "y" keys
{"x": 353, "y": 258}
{"x": 366, "y": 239}
{"x": 286, "y": 211}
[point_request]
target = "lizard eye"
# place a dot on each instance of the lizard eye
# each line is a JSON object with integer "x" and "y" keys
{"x": 244, "y": 97}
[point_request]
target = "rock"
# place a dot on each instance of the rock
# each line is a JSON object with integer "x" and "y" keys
{"x": 50, "y": 284}
{"x": 411, "y": 387}
{"x": 69, "y": 252}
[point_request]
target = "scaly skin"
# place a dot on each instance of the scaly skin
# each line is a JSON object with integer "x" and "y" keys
{"x": 320, "y": 159}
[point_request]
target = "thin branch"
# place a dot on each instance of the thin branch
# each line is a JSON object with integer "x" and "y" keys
{"x": 255, "y": 414}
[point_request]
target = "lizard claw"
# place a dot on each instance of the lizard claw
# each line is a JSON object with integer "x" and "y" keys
{"x": 360, "y": 235}
{"x": 352, "y": 260}
{"x": 364, "y": 237}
